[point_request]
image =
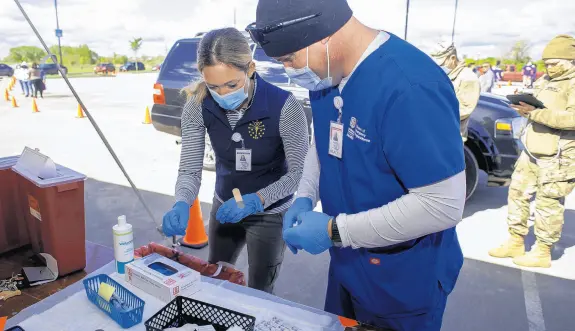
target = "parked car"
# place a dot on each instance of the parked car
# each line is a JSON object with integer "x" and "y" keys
{"x": 6, "y": 70}
{"x": 157, "y": 67}
{"x": 131, "y": 66}
{"x": 493, "y": 143}
{"x": 104, "y": 68}
{"x": 52, "y": 68}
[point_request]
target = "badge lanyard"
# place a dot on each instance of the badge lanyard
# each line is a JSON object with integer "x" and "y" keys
{"x": 336, "y": 131}
{"x": 243, "y": 155}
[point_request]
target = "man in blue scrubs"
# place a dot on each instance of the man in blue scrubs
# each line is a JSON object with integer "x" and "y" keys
{"x": 387, "y": 163}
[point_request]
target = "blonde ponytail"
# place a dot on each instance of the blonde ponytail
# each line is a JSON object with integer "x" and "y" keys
{"x": 196, "y": 91}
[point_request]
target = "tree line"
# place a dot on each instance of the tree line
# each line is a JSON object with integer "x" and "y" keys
{"x": 76, "y": 56}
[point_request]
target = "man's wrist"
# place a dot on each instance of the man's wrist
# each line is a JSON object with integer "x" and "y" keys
{"x": 329, "y": 225}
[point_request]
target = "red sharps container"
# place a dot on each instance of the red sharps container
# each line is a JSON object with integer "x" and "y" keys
{"x": 52, "y": 198}
{"x": 13, "y": 230}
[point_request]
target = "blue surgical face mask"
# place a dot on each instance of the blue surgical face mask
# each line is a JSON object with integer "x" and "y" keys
{"x": 232, "y": 100}
{"x": 306, "y": 78}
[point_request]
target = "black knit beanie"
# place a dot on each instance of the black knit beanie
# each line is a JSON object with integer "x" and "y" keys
{"x": 334, "y": 15}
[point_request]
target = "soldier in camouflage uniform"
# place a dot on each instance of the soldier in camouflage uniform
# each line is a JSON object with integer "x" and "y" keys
{"x": 547, "y": 166}
{"x": 465, "y": 83}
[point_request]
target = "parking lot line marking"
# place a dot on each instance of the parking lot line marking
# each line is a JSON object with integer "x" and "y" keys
{"x": 532, "y": 301}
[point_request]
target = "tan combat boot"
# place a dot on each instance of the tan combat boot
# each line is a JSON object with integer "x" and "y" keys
{"x": 513, "y": 247}
{"x": 538, "y": 257}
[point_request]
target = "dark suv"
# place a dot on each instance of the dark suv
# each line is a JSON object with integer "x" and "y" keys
{"x": 493, "y": 145}
{"x": 52, "y": 69}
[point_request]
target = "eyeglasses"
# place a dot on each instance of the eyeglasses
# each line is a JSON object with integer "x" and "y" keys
{"x": 258, "y": 34}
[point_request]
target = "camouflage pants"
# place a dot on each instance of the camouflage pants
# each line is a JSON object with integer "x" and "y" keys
{"x": 550, "y": 182}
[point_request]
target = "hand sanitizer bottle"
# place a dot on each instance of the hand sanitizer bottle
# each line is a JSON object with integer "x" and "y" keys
{"x": 123, "y": 244}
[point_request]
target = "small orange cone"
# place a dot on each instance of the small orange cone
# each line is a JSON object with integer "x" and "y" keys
{"x": 196, "y": 236}
{"x": 348, "y": 323}
{"x": 80, "y": 112}
{"x": 6, "y": 95}
{"x": 3, "y": 320}
{"x": 148, "y": 118}
{"x": 34, "y": 106}
{"x": 14, "y": 103}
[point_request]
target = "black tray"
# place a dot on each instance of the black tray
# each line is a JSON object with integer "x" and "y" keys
{"x": 184, "y": 310}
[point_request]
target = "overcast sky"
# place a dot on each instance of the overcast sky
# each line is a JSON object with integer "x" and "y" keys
{"x": 484, "y": 27}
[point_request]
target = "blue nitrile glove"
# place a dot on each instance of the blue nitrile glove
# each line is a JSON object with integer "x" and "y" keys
{"x": 175, "y": 221}
{"x": 229, "y": 212}
{"x": 300, "y": 205}
{"x": 311, "y": 233}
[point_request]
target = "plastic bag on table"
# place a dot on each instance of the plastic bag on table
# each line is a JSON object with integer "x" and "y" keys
{"x": 222, "y": 271}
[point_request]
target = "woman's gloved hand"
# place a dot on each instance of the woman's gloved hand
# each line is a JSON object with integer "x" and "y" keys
{"x": 229, "y": 212}
{"x": 311, "y": 234}
{"x": 300, "y": 205}
{"x": 175, "y": 221}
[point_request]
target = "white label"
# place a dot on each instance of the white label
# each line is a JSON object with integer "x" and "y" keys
{"x": 124, "y": 247}
{"x": 243, "y": 160}
{"x": 336, "y": 139}
{"x": 35, "y": 213}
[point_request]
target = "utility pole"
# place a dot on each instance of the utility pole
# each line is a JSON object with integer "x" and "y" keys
{"x": 454, "y": 20}
{"x": 58, "y": 32}
{"x": 406, "y": 20}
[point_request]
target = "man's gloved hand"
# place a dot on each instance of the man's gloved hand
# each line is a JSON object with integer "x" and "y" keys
{"x": 175, "y": 221}
{"x": 311, "y": 233}
{"x": 229, "y": 212}
{"x": 300, "y": 205}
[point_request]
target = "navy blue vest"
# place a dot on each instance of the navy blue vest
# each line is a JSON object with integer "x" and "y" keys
{"x": 259, "y": 128}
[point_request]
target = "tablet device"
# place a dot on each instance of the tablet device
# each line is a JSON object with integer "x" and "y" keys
{"x": 526, "y": 98}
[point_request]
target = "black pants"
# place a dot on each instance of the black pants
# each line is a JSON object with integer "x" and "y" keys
{"x": 38, "y": 87}
{"x": 263, "y": 236}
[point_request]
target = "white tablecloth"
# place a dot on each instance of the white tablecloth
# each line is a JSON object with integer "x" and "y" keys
{"x": 70, "y": 309}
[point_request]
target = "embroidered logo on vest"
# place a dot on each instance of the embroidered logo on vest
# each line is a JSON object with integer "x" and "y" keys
{"x": 256, "y": 129}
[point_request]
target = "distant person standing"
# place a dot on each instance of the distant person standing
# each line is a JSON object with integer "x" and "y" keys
{"x": 465, "y": 82}
{"x": 498, "y": 71}
{"x": 22, "y": 73}
{"x": 487, "y": 79}
{"x": 529, "y": 74}
{"x": 546, "y": 168}
{"x": 36, "y": 79}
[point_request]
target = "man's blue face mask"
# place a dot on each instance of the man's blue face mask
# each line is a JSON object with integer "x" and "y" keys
{"x": 232, "y": 100}
{"x": 306, "y": 78}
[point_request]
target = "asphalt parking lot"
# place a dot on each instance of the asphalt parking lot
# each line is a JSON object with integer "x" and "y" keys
{"x": 490, "y": 295}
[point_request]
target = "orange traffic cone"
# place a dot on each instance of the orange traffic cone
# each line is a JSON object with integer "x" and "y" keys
{"x": 148, "y": 118}
{"x": 14, "y": 103}
{"x": 34, "y": 106}
{"x": 196, "y": 236}
{"x": 348, "y": 323}
{"x": 6, "y": 95}
{"x": 80, "y": 112}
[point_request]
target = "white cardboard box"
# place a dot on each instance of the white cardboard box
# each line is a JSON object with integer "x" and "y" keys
{"x": 161, "y": 277}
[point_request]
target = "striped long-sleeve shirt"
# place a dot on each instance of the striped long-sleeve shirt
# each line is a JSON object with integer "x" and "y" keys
{"x": 295, "y": 138}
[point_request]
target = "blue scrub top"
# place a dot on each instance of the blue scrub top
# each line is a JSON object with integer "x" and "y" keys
{"x": 401, "y": 131}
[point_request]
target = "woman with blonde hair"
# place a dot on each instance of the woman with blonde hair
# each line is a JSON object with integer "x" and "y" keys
{"x": 259, "y": 134}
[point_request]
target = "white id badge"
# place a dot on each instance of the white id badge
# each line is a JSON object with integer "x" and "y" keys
{"x": 336, "y": 139}
{"x": 243, "y": 159}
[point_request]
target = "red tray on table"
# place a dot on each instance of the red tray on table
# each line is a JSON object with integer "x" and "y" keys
{"x": 216, "y": 271}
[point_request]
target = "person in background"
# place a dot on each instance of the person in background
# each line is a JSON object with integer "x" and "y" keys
{"x": 465, "y": 82}
{"x": 22, "y": 73}
{"x": 487, "y": 78}
{"x": 260, "y": 136}
{"x": 528, "y": 77}
{"x": 498, "y": 71}
{"x": 546, "y": 167}
{"x": 36, "y": 80}
{"x": 387, "y": 163}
